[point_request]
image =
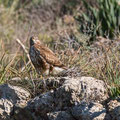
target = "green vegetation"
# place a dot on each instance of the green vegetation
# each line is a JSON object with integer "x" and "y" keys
{"x": 23, "y": 18}
{"x": 103, "y": 20}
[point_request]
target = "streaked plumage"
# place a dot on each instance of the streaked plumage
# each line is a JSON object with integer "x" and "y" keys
{"x": 43, "y": 59}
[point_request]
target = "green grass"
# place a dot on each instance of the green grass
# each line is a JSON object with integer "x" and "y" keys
{"x": 102, "y": 20}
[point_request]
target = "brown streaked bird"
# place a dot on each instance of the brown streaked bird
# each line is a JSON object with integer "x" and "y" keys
{"x": 43, "y": 59}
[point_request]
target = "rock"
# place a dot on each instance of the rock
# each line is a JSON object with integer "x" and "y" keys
{"x": 16, "y": 79}
{"x": 42, "y": 104}
{"x": 83, "y": 111}
{"x": 81, "y": 98}
{"x": 11, "y": 96}
{"x": 5, "y": 109}
{"x": 91, "y": 111}
{"x": 53, "y": 82}
{"x": 114, "y": 109}
{"x": 76, "y": 90}
{"x": 22, "y": 114}
{"x": 60, "y": 115}
{"x": 72, "y": 92}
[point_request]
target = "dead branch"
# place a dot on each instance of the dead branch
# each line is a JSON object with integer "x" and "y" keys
{"x": 27, "y": 53}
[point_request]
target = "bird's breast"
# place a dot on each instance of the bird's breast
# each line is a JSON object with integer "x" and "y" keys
{"x": 32, "y": 53}
{"x": 35, "y": 56}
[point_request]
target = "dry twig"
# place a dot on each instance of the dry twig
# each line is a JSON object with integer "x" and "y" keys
{"x": 22, "y": 45}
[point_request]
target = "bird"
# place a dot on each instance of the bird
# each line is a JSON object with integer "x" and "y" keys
{"x": 44, "y": 59}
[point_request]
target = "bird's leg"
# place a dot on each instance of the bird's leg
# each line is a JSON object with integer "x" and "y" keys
{"x": 42, "y": 78}
{"x": 39, "y": 74}
{"x": 44, "y": 85}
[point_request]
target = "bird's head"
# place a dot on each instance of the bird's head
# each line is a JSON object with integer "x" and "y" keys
{"x": 34, "y": 40}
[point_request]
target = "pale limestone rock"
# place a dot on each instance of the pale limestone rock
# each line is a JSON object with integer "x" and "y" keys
{"x": 72, "y": 92}
{"x": 114, "y": 109}
{"x": 11, "y": 96}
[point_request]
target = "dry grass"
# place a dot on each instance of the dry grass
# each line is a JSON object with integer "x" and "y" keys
{"x": 99, "y": 60}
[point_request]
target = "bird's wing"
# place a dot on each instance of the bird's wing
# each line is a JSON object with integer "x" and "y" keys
{"x": 48, "y": 55}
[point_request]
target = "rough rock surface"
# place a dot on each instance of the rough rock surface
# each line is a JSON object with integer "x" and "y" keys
{"x": 60, "y": 115}
{"x": 91, "y": 111}
{"x": 83, "y": 111}
{"x": 114, "y": 109}
{"x": 80, "y": 89}
{"x": 81, "y": 98}
{"x": 11, "y": 96}
{"x": 72, "y": 92}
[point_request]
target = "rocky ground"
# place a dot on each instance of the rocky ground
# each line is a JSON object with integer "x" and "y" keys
{"x": 73, "y": 97}
{"x": 79, "y": 98}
